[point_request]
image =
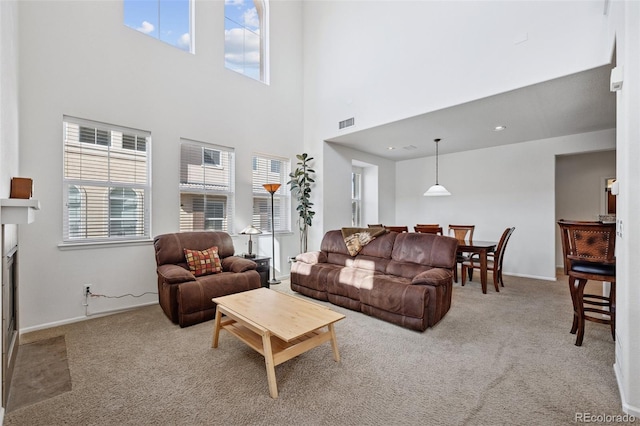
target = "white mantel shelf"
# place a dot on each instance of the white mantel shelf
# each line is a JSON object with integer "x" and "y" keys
{"x": 18, "y": 210}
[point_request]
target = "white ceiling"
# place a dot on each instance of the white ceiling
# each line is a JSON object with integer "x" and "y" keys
{"x": 577, "y": 103}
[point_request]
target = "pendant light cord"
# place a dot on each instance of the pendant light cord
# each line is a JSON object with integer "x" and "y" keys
{"x": 437, "y": 140}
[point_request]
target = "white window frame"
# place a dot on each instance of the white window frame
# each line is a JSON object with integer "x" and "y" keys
{"x": 203, "y": 185}
{"x": 356, "y": 198}
{"x": 262, "y": 199}
{"x": 109, "y": 166}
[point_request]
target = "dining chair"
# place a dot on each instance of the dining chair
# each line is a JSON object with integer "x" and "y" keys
{"x": 461, "y": 233}
{"x": 494, "y": 261}
{"x": 397, "y": 228}
{"x": 589, "y": 254}
{"x": 428, "y": 228}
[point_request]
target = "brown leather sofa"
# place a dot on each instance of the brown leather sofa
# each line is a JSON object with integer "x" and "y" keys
{"x": 185, "y": 298}
{"x": 403, "y": 278}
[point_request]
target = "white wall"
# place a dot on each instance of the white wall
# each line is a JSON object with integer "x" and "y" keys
{"x": 496, "y": 188}
{"x": 8, "y": 125}
{"x": 8, "y": 107}
{"x": 380, "y": 61}
{"x": 78, "y": 58}
{"x": 624, "y": 22}
{"x": 336, "y": 201}
{"x": 580, "y": 188}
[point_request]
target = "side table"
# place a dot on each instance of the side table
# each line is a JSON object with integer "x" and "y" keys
{"x": 264, "y": 265}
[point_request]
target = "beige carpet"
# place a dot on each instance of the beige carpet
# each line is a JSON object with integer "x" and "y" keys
{"x": 495, "y": 359}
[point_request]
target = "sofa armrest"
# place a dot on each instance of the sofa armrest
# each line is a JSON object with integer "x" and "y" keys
{"x": 312, "y": 257}
{"x": 237, "y": 264}
{"x": 434, "y": 277}
{"x": 174, "y": 274}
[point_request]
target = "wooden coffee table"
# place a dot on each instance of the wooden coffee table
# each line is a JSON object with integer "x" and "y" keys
{"x": 276, "y": 325}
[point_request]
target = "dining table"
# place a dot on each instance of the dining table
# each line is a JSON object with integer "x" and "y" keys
{"x": 482, "y": 248}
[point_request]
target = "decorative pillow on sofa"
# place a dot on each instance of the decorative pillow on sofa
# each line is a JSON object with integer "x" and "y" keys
{"x": 203, "y": 262}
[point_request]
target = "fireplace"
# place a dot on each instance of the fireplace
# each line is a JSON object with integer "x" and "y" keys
{"x": 9, "y": 322}
{"x": 13, "y": 211}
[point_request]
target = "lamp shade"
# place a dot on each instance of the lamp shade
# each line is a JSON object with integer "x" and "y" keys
{"x": 271, "y": 187}
{"x": 436, "y": 191}
{"x": 251, "y": 230}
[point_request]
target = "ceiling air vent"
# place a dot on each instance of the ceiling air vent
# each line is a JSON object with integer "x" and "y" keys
{"x": 410, "y": 147}
{"x": 346, "y": 123}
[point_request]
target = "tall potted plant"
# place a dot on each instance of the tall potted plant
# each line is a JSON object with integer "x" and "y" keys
{"x": 300, "y": 186}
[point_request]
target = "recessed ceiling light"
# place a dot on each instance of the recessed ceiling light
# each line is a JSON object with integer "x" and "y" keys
{"x": 499, "y": 128}
{"x": 391, "y": 148}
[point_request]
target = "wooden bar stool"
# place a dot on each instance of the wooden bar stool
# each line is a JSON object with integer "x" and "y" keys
{"x": 589, "y": 254}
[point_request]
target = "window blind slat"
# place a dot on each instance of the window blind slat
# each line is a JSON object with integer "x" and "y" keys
{"x": 106, "y": 182}
{"x": 271, "y": 169}
{"x": 207, "y": 187}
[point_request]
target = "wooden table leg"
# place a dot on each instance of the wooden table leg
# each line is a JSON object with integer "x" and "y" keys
{"x": 268, "y": 361}
{"x": 334, "y": 343}
{"x": 216, "y": 328}
{"x": 483, "y": 270}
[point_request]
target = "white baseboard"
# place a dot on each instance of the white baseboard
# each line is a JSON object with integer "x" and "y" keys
{"x": 83, "y": 318}
{"x": 535, "y": 277}
{"x": 626, "y": 407}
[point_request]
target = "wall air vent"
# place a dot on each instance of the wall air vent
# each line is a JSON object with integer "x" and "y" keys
{"x": 346, "y": 123}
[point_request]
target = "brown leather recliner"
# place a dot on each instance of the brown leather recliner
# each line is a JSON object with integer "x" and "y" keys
{"x": 185, "y": 298}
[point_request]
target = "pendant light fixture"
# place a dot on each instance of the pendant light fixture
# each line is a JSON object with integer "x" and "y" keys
{"x": 436, "y": 190}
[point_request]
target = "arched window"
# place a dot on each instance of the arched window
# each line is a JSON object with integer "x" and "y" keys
{"x": 246, "y": 38}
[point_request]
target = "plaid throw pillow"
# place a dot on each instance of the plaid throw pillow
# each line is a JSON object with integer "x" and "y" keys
{"x": 203, "y": 262}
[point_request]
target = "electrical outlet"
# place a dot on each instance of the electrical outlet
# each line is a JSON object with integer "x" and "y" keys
{"x": 86, "y": 289}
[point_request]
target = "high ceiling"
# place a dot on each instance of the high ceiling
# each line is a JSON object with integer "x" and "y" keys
{"x": 577, "y": 103}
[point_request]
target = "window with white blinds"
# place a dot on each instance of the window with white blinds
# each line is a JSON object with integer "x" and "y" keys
{"x": 269, "y": 169}
{"x": 107, "y": 183}
{"x": 207, "y": 187}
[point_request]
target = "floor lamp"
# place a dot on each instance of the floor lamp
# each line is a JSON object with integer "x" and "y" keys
{"x": 271, "y": 189}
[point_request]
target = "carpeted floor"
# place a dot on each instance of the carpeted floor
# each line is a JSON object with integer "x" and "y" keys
{"x": 495, "y": 359}
{"x": 41, "y": 372}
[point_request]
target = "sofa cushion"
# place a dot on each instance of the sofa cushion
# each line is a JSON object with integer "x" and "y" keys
{"x": 312, "y": 257}
{"x": 194, "y": 297}
{"x": 394, "y": 294}
{"x": 370, "y": 263}
{"x": 405, "y": 269}
{"x": 381, "y": 247}
{"x": 169, "y": 247}
{"x": 203, "y": 262}
{"x": 312, "y": 276}
{"x": 427, "y": 249}
{"x": 348, "y": 281}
